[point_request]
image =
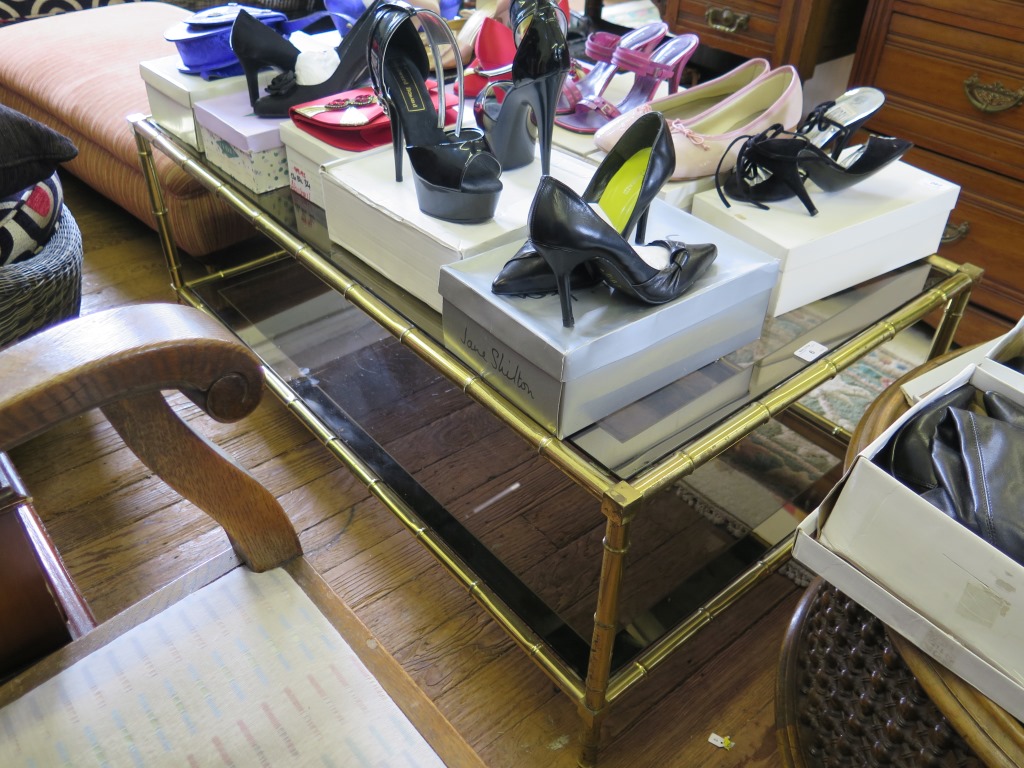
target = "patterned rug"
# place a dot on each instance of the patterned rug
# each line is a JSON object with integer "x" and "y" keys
{"x": 756, "y": 485}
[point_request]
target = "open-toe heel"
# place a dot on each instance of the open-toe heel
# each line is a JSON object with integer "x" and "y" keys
{"x": 514, "y": 115}
{"x": 666, "y": 64}
{"x": 623, "y": 186}
{"x": 601, "y": 48}
{"x": 456, "y": 178}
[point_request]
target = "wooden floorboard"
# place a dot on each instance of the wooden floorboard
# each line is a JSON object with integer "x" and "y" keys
{"x": 123, "y": 536}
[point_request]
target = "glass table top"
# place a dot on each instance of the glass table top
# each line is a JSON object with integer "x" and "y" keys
{"x": 524, "y": 528}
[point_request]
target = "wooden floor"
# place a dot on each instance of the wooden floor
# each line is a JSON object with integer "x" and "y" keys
{"x": 123, "y": 535}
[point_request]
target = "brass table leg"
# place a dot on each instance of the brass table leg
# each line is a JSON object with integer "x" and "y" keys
{"x": 156, "y": 200}
{"x": 954, "y": 309}
{"x": 619, "y": 506}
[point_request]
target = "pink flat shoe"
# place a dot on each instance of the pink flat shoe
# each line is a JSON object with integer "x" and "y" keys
{"x": 702, "y": 142}
{"x": 687, "y": 104}
{"x": 602, "y": 47}
{"x": 666, "y": 63}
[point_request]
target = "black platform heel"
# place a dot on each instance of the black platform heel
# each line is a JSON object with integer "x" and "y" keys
{"x": 284, "y": 92}
{"x": 456, "y": 178}
{"x": 256, "y": 45}
{"x": 646, "y": 157}
{"x": 567, "y": 232}
{"x": 515, "y": 115}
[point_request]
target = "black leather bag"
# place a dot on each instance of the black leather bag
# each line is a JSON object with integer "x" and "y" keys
{"x": 965, "y": 455}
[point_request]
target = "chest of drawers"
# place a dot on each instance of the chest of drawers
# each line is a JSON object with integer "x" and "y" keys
{"x": 798, "y": 32}
{"x": 953, "y": 75}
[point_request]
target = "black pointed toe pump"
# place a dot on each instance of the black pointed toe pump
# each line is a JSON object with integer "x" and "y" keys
{"x": 623, "y": 186}
{"x": 566, "y": 232}
{"x": 456, "y": 178}
{"x": 516, "y": 114}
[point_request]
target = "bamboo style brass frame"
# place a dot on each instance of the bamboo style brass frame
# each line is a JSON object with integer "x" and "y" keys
{"x": 621, "y": 500}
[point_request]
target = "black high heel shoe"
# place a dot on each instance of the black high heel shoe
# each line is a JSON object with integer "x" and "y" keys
{"x": 647, "y": 142}
{"x": 456, "y": 178}
{"x": 775, "y": 164}
{"x": 566, "y": 232}
{"x": 256, "y": 45}
{"x": 515, "y": 115}
{"x": 284, "y": 92}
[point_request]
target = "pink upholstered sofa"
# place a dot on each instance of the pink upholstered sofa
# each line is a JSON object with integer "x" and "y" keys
{"x": 79, "y": 73}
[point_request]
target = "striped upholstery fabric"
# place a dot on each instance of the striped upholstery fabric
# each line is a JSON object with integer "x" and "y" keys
{"x": 79, "y": 74}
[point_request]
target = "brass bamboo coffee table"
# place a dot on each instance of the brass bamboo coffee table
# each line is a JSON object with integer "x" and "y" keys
{"x": 595, "y": 663}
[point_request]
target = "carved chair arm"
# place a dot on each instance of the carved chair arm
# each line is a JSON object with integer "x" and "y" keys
{"x": 121, "y": 360}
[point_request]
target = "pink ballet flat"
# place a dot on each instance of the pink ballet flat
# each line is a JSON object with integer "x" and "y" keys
{"x": 687, "y": 104}
{"x": 700, "y": 143}
{"x": 602, "y": 47}
{"x": 593, "y": 112}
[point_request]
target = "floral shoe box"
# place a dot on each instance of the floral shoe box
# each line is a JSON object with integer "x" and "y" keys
{"x": 379, "y": 220}
{"x": 890, "y": 219}
{"x": 245, "y": 147}
{"x": 619, "y": 350}
{"x": 928, "y": 577}
{"x": 173, "y": 95}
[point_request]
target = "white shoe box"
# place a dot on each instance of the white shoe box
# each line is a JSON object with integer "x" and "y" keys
{"x": 619, "y": 350}
{"x": 890, "y": 219}
{"x": 306, "y": 156}
{"x": 173, "y": 94}
{"x": 246, "y": 147}
{"x": 931, "y": 579}
{"x": 379, "y": 220}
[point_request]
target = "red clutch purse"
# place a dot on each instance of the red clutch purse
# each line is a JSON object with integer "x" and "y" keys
{"x": 355, "y": 120}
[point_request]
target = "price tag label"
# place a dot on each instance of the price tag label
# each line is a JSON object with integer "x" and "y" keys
{"x": 811, "y": 351}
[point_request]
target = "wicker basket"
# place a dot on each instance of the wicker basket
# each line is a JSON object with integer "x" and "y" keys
{"x": 45, "y": 289}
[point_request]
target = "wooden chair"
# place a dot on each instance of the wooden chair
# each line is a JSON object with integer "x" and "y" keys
{"x": 286, "y": 679}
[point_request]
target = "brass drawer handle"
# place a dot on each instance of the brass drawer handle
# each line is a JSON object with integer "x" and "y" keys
{"x": 991, "y": 98}
{"x": 726, "y": 20}
{"x": 954, "y": 232}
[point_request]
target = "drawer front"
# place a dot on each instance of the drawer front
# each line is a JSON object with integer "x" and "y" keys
{"x": 744, "y": 28}
{"x": 937, "y": 78}
{"x": 990, "y": 207}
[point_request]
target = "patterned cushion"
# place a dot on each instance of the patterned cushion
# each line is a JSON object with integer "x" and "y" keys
{"x": 28, "y": 218}
{"x": 19, "y": 10}
{"x": 29, "y": 151}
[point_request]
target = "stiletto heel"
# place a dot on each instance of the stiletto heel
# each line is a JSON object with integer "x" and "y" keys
{"x": 665, "y": 64}
{"x": 256, "y": 45}
{"x": 623, "y": 186}
{"x": 566, "y": 232}
{"x": 456, "y": 178}
{"x": 775, "y": 164}
{"x": 514, "y": 115}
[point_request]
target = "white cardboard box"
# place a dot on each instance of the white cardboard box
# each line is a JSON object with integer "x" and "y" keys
{"x": 172, "y": 95}
{"x": 959, "y": 584}
{"x": 619, "y": 350}
{"x": 306, "y": 156}
{"x": 999, "y": 349}
{"x": 888, "y": 220}
{"x": 246, "y": 147}
{"x": 379, "y": 220}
